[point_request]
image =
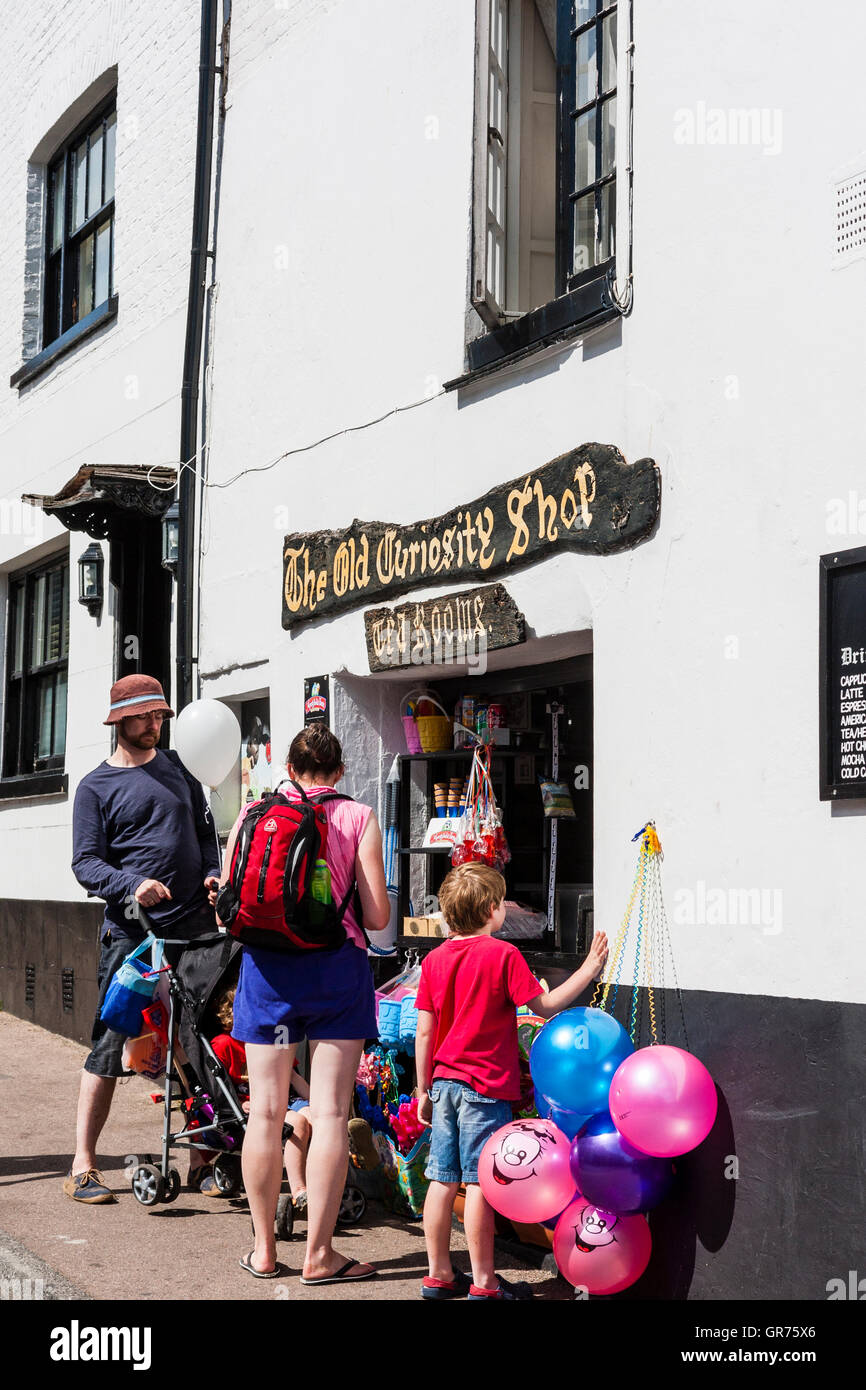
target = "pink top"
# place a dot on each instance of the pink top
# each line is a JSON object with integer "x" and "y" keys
{"x": 347, "y": 821}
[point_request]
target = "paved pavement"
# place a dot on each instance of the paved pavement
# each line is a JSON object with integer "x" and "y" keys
{"x": 187, "y": 1250}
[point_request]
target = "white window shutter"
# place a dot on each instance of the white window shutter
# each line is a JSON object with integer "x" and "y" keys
{"x": 490, "y": 161}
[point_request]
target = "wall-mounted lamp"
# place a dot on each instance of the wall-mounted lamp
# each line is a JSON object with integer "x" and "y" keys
{"x": 170, "y": 538}
{"x": 90, "y": 591}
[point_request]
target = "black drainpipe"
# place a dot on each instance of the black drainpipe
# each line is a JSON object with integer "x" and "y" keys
{"x": 192, "y": 352}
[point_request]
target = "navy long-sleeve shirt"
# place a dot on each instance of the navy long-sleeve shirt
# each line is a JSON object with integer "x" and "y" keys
{"x": 133, "y": 823}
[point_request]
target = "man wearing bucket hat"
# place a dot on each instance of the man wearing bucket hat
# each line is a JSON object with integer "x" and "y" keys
{"x": 142, "y": 834}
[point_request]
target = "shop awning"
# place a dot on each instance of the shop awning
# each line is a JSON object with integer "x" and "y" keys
{"x": 102, "y": 501}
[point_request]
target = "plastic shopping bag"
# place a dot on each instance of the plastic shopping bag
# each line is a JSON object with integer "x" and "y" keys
{"x": 131, "y": 990}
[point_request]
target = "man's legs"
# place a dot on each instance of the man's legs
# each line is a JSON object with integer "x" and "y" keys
{"x": 94, "y": 1103}
{"x": 333, "y": 1068}
{"x": 98, "y": 1080}
{"x": 270, "y": 1069}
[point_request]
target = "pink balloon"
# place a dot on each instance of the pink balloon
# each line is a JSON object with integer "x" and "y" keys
{"x": 663, "y": 1101}
{"x": 598, "y": 1250}
{"x": 524, "y": 1170}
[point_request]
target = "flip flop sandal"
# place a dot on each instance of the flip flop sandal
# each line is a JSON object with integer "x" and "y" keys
{"x": 342, "y": 1275}
{"x": 247, "y": 1264}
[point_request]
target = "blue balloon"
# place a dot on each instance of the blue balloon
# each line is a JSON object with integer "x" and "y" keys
{"x": 566, "y": 1120}
{"x": 612, "y": 1174}
{"x": 574, "y": 1057}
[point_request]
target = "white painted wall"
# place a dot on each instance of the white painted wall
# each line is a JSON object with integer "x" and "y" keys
{"x": 115, "y": 398}
{"x": 342, "y": 268}
{"x": 343, "y": 258}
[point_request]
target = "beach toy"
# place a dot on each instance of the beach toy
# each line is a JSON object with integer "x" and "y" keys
{"x": 524, "y": 1172}
{"x": 598, "y": 1250}
{"x": 574, "y": 1058}
{"x": 663, "y": 1100}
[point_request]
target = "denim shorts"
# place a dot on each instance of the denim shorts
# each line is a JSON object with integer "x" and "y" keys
{"x": 463, "y": 1121}
{"x": 282, "y": 998}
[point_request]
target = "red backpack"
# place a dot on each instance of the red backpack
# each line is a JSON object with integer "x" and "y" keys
{"x": 267, "y": 900}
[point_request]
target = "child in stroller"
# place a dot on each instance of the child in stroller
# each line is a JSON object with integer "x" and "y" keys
{"x": 214, "y": 1095}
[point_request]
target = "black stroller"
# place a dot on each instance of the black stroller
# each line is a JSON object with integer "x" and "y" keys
{"x": 214, "y": 1119}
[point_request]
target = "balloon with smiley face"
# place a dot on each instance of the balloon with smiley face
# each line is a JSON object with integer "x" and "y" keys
{"x": 524, "y": 1170}
{"x": 598, "y": 1250}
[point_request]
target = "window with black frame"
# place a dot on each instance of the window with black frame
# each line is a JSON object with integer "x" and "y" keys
{"x": 591, "y": 219}
{"x": 545, "y": 175}
{"x": 80, "y": 226}
{"x": 36, "y": 670}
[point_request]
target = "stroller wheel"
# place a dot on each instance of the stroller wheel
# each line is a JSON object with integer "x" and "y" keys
{"x": 353, "y": 1204}
{"x": 227, "y": 1174}
{"x": 147, "y": 1185}
{"x": 172, "y": 1186}
{"x": 284, "y": 1225}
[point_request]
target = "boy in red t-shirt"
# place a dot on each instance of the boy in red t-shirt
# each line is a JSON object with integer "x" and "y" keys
{"x": 467, "y": 1060}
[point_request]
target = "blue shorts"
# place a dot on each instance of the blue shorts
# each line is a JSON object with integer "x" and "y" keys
{"x": 283, "y": 998}
{"x": 463, "y": 1121}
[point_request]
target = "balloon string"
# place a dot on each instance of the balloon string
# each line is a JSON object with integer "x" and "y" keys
{"x": 615, "y": 964}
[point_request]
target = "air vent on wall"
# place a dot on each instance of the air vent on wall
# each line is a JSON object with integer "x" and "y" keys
{"x": 67, "y": 978}
{"x": 29, "y": 983}
{"x": 850, "y": 230}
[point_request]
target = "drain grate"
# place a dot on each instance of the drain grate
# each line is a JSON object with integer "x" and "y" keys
{"x": 67, "y": 979}
{"x": 29, "y": 983}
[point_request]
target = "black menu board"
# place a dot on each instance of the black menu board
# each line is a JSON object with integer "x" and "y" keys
{"x": 843, "y": 674}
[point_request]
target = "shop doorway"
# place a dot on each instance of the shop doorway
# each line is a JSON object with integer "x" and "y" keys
{"x": 534, "y": 706}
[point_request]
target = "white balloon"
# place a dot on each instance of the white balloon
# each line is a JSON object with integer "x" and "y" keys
{"x": 207, "y": 737}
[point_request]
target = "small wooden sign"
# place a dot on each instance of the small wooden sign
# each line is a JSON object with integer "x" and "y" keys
{"x": 589, "y": 500}
{"x": 443, "y": 631}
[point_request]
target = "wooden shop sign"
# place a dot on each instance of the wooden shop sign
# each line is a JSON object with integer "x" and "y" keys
{"x": 589, "y": 500}
{"x": 453, "y": 628}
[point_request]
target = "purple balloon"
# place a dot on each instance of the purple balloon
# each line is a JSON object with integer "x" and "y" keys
{"x": 612, "y": 1174}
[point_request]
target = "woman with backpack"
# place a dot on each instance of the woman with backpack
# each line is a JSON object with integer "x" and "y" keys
{"x": 311, "y": 979}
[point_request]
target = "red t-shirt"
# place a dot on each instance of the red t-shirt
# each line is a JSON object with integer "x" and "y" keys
{"x": 472, "y": 986}
{"x": 232, "y": 1054}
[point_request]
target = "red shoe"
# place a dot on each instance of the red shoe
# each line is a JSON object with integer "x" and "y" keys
{"x": 440, "y": 1288}
{"x": 503, "y": 1290}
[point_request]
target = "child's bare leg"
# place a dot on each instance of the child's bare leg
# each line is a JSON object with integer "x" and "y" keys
{"x": 479, "y": 1221}
{"x": 295, "y": 1152}
{"x": 438, "y": 1207}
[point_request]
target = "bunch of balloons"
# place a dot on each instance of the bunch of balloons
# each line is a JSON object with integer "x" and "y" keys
{"x": 599, "y": 1155}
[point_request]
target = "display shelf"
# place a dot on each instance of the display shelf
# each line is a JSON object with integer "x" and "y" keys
{"x": 426, "y": 849}
{"x": 466, "y": 753}
{"x": 537, "y": 957}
